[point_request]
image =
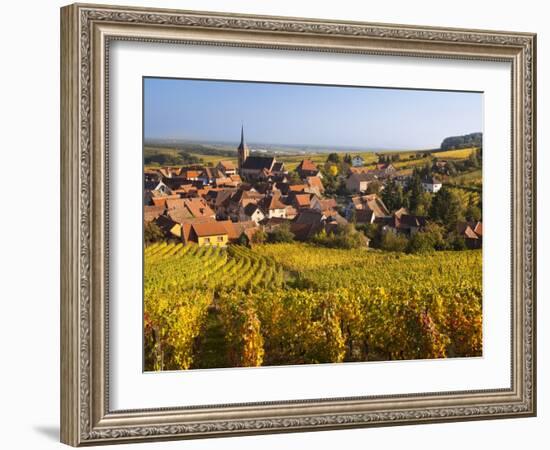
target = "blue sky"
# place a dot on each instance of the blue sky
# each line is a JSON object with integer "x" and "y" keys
{"x": 327, "y": 116}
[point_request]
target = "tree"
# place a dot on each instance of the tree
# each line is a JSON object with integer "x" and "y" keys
{"x": 330, "y": 182}
{"x": 347, "y": 158}
{"x": 345, "y": 236}
{"x": 472, "y": 213}
{"x": 281, "y": 234}
{"x": 152, "y": 233}
{"x": 456, "y": 242}
{"x": 353, "y": 216}
{"x": 420, "y": 243}
{"x": 445, "y": 208}
{"x": 427, "y": 240}
{"x": 373, "y": 231}
{"x": 424, "y": 204}
{"x": 473, "y": 159}
{"x": 259, "y": 237}
{"x": 393, "y": 242}
{"x": 373, "y": 187}
{"x": 333, "y": 170}
{"x": 333, "y": 158}
{"x": 243, "y": 240}
{"x": 392, "y": 195}
{"x": 294, "y": 178}
{"x": 451, "y": 168}
{"x": 415, "y": 192}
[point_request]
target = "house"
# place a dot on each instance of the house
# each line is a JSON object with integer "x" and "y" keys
{"x": 291, "y": 212}
{"x": 170, "y": 228}
{"x": 384, "y": 170}
{"x": 151, "y": 212}
{"x": 307, "y": 224}
{"x": 186, "y": 191}
{"x": 190, "y": 174}
{"x": 240, "y": 199}
{"x": 440, "y": 166}
{"x": 431, "y": 184}
{"x": 278, "y": 170}
{"x": 326, "y": 206}
{"x": 307, "y": 168}
{"x": 153, "y": 184}
{"x": 228, "y": 168}
{"x": 236, "y": 229}
{"x": 359, "y": 170}
{"x": 359, "y": 182}
{"x": 181, "y": 208}
{"x": 300, "y": 201}
{"x": 403, "y": 222}
{"x": 198, "y": 207}
{"x": 168, "y": 172}
{"x": 402, "y": 179}
{"x": 315, "y": 186}
{"x": 247, "y": 236}
{"x": 174, "y": 203}
{"x": 209, "y": 175}
{"x": 219, "y": 201}
{"x": 272, "y": 206}
{"x": 357, "y": 161}
{"x": 158, "y": 199}
{"x": 251, "y": 212}
{"x": 472, "y": 232}
{"x": 274, "y": 223}
{"x": 207, "y": 233}
{"x": 151, "y": 175}
{"x": 253, "y": 166}
{"x": 366, "y": 208}
{"x": 236, "y": 179}
{"x": 176, "y": 181}
{"x": 296, "y": 188}
{"x": 154, "y": 189}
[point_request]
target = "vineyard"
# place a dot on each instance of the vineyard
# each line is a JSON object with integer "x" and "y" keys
{"x": 283, "y": 304}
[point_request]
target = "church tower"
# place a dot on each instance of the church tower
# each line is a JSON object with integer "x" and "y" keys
{"x": 243, "y": 150}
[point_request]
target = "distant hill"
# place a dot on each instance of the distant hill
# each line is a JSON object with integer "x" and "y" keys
{"x": 464, "y": 141}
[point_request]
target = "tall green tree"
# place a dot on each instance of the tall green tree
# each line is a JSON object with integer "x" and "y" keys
{"x": 446, "y": 208}
{"x": 392, "y": 195}
{"x": 415, "y": 192}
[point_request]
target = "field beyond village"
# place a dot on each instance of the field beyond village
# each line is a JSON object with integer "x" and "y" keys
{"x": 297, "y": 303}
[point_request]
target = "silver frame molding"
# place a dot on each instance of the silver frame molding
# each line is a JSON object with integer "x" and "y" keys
{"x": 86, "y": 32}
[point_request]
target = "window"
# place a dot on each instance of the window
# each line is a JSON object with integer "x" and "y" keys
{"x": 207, "y": 240}
{"x": 220, "y": 238}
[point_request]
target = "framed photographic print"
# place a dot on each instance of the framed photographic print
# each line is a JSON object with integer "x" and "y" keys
{"x": 278, "y": 224}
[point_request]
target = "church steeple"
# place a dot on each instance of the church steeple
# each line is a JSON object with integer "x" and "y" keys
{"x": 243, "y": 150}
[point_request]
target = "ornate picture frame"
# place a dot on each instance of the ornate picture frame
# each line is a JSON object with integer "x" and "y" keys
{"x": 87, "y": 32}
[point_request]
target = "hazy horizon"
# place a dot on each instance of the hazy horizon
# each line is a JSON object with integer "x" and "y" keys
{"x": 296, "y": 115}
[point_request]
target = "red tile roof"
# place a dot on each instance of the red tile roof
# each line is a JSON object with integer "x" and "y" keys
{"x": 307, "y": 164}
{"x": 316, "y": 183}
{"x": 303, "y": 200}
{"x": 174, "y": 203}
{"x": 150, "y": 213}
{"x": 209, "y": 229}
{"x": 227, "y": 165}
{"x": 274, "y": 202}
{"x": 297, "y": 188}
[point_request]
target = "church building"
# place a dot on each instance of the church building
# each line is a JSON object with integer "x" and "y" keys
{"x": 254, "y": 167}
